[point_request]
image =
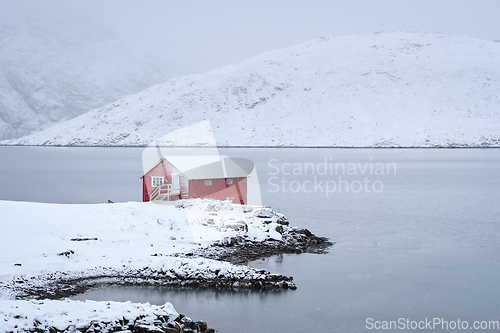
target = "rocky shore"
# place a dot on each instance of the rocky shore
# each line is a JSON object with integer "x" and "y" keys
{"x": 91, "y": 317}
{"x": 59, "y": 285}
{"x": 239, "y": 234}
{"x": 240, "y": 250}
{"x": 235, "y": 250}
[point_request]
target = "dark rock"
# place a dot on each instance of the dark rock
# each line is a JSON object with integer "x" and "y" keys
{"x": 282, "y": 220}
{"x": 171, "y": 330}
{"x": 148, "y": 329}
{"x": 307, "y": 232}
{"x": 208, "y": 330}
{"x": 265, "y": 213}
{"x": 179, "y": 318}
{"x": 244, "y": 250}
{"x": 79, "y": 239}
{"x": 66, "y": 253}
{"x": 203, "y": 325}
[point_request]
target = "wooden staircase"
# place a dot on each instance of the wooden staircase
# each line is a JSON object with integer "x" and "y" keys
{"x": 166, "y": 192}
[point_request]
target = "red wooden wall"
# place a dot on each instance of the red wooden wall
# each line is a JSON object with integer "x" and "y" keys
{"x": 219, "y": 189}
{"x": 196, "y": 188}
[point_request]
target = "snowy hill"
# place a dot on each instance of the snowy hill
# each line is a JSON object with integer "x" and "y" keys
{"x": 56, "y": 63}
{"x": 387, "y": 89}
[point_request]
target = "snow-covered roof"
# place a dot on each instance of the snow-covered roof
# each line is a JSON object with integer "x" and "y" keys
{"x": 185, "y": 163}
{"x": 210, "y": 166}
{"x": 224, "y": 168}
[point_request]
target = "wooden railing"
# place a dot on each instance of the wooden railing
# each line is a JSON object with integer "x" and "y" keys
{"x": 165, "y": 192}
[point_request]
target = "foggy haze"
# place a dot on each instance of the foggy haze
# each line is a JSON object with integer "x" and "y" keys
{"x": 209, "y": 34}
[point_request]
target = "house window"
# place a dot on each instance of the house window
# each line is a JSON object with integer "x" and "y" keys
{"x": 208, "y": 182}
{"x": 156, "y": 181}
{"x": 229, "y": 181}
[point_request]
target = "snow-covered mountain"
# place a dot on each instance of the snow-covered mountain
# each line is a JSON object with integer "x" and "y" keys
{"x": 386, "y": 89}
{"x": 57, "y": 63}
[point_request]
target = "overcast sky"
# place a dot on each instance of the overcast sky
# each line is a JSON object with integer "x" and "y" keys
{"x": 213, "y": 33}
{"x": 208, "y": 34}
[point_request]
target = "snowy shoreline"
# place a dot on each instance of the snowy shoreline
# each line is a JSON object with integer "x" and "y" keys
{"x": 73, "y": 248}
{"x": 92, "y": 316}
{"x": 490, "y": 144}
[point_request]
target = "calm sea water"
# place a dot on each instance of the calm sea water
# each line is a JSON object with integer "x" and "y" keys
{"x": 421, "y": 244}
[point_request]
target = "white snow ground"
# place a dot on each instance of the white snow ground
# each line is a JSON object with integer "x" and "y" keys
{"x": 34, "y": 234}
{"x": 386, "y": 89}
{"x": 124, "y": 236}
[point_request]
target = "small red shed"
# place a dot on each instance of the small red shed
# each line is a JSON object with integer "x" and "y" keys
{"x": 205, "y": 176}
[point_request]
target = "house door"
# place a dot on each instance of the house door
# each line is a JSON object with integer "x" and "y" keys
{"x": 175, "y": 182}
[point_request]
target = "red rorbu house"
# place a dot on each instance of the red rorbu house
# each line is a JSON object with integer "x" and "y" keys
{"x": 205, "y": 176}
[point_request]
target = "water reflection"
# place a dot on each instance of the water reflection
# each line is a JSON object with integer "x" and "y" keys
{"x": 188, "y": 296}
{"x": 160, "y": 295}
{"x": 225, "y": 310}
